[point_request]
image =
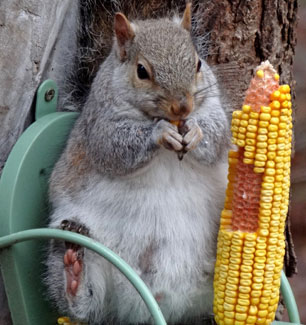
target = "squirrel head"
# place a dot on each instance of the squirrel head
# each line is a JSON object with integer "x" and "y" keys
{"x": 158, "y": 64}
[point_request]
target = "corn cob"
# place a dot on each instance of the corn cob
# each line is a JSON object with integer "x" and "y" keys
{"x": 251, "y": 242}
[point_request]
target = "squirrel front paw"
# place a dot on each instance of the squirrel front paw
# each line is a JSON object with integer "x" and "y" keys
{"x": 168, "y": 136}
{"x": 192, "y": 134}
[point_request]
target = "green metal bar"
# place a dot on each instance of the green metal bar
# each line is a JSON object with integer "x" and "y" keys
{"x": 290, "y": 302}
{"x": 127, "y": 271}
{"x": 46, "y": 99}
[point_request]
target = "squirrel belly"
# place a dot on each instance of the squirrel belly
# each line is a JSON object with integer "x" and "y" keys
{"x": 162, "y": 220}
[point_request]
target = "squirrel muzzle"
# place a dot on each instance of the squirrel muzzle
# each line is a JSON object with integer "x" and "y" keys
{"x": 181, "y": 108}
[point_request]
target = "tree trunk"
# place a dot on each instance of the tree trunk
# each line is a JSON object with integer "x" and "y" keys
{"x": 244, "y": 33}
{"x": 35, "y": 38}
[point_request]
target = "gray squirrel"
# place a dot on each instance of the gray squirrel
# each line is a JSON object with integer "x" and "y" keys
{"x": 119, "y": 181}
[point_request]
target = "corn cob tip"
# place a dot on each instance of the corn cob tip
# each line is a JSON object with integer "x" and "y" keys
{"x": 261, "y": 86}
{"x": 264, "y": 67}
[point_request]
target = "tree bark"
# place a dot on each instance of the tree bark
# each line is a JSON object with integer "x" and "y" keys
{"x": 243, "y": 34}
{"x": 34, "y": 46}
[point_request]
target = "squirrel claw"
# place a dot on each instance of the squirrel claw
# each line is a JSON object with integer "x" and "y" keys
{"x": 181, "y": 154}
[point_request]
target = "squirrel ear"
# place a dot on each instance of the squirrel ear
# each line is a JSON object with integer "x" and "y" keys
{"x": 123, "y": 31}
{"x": 186, "y": 21}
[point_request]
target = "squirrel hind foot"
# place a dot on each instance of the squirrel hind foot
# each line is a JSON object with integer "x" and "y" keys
{"x": 73, "y": 269}
{"x": 73, "y": 257}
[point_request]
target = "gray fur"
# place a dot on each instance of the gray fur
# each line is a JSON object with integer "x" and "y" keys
{"x": 117, "y": 177}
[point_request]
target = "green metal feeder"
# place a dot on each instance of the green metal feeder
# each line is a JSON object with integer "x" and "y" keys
{"x": 23, "y": 218}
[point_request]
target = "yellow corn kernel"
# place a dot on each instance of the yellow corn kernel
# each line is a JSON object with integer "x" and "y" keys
{"x": 229, "y": 314}
{"x": 274, "y": 120}
{"x": 241, "y": 143}
{"x": 262, "y": 313}
{"x": 260, "y": 73}
{"x": 273, "y": 135}
{"x": 260, "y": 157}
{"x": 237, "y": 114}
{"x": 262, "y": 131}
{"x": 241, "y": 316}
{"x": 251, "y": 320}
{"x": 248, "y": 161}
{"x": 282, "y": 126}
{"x": 246, "y": 108}
{"x": 252, "y": 128}
{"x": 262, "y": 138}
{"x": 241, "y": 129}
{"x": 228, "y": 321}
{"x": 250, "y": 142}
{"x": 275, "y": 95}
{"x": 259, "y": 163}
{"x": 284, "y": 89}
{"x": 262, "y": 145}
{"x": 275, "y": 104}
{"x": 282, "y": 97}
{"x": 249, "y": 154}
{"x": 265, "y": 116}
{"x": 252, "y": 121}
{"x": 250, "y": 135}
{"x": 265, "y": 109}
{"x": 272, "y": 141}
{"x": 261, "y": 151}
{"x": 275, "y": 113}
{"x": 249, "y": 148}
{"x": 63, "y": 320}
{"x": 254, "y": 115}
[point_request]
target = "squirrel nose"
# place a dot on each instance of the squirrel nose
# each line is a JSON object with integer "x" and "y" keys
{"x": 184, "y": 107}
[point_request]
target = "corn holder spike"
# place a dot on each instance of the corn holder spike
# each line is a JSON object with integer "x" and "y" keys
{"x": 251, "y": 243}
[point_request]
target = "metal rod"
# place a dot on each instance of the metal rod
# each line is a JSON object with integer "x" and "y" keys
{"x": 125, "y": 269}
{"x": 290, "y": 302}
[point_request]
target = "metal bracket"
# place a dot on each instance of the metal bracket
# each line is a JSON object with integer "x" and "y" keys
{"x": 46, "y": 99}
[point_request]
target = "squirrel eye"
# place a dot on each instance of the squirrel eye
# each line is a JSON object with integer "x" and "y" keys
{"x": 142, "y": 72}
{"x": 199, "y": 65}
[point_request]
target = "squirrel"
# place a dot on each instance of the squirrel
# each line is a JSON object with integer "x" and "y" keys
{"x": 119, "y": 181}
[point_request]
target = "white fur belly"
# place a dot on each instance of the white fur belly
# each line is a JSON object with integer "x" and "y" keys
{"x": 161, "y": 220}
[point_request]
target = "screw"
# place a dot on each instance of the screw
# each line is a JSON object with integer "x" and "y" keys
{"x": 49, "y": 94}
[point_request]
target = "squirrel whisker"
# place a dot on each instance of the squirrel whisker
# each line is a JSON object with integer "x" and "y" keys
{"x": 204, "y": 89}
